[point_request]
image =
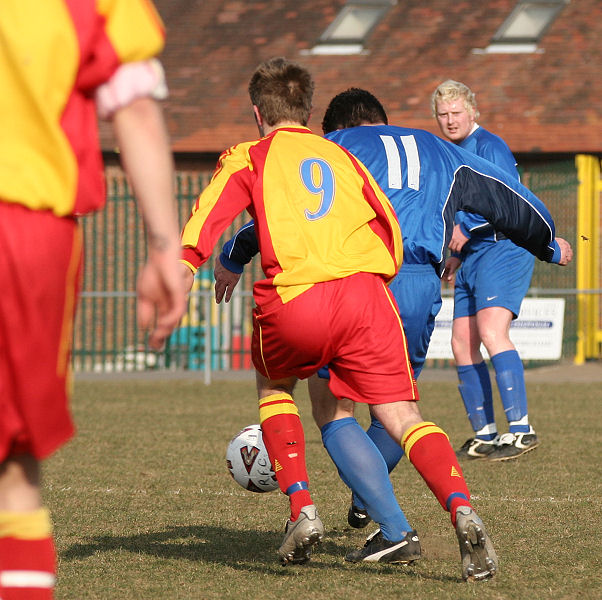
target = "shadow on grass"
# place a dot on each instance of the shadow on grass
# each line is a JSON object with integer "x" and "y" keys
{"x": 238, "y": 549}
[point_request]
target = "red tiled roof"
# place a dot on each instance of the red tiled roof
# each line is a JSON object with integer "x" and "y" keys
{"x": 548, "y": 101}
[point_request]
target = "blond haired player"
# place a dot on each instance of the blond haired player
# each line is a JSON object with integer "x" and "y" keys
{"x": 493, "y": 276}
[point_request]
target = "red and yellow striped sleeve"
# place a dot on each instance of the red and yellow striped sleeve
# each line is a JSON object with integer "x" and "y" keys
{"x": 229, "y": 192}
{"x": 53, "y": 54}
{"x": 132, "y": 42}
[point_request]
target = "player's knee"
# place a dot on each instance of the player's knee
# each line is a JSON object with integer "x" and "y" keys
{"x": 461, "y": 349}
{"x": 496, "y": 340}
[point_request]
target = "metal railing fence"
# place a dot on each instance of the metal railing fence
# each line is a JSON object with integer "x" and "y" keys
{"x": 556, "y": 184}
{"x": 212, "y": 337}
{"x": 106, "y": 334}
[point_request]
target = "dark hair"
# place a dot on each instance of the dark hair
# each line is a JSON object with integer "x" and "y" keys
{"x": 351, "y": 108}
{"x": 282, "y": 91}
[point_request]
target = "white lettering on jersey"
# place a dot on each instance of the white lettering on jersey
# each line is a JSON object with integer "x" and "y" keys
{"x": 394, "y": 161}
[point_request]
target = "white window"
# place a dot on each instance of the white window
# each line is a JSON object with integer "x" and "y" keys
{"x": 351, "y": 27}
{"x": 525, "y": 26}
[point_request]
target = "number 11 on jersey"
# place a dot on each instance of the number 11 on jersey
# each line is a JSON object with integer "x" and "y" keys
{"x": 394, "y": 161}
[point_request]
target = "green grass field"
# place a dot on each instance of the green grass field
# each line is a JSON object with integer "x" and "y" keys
{"x": 144, "y": 507}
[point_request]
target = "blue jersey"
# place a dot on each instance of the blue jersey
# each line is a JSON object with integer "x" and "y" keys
{"x": 492, "y": 147}
{"x": 428, "y": 180}
{"x": 494, "y": 271}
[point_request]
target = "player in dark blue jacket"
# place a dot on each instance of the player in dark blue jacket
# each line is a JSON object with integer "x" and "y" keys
{"x": 493, "y": 279}
{"x": 427, "y": 180}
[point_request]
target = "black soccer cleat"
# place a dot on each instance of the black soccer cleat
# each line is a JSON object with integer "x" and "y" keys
{"x": 474, "y": 448}
{"x": 358, "y": 518}
{"x": 378, "y": 549}
{"x": 513, "y": 445}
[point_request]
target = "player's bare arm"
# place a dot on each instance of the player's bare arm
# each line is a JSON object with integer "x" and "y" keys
{"x": 187, "y": 277}
{"x": 144, "y": 144}
{"x": 452, "y": 264}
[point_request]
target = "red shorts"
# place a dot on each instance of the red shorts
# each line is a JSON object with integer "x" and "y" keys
{"x": 40, "y": 260}
{"x": 332, "y": 323}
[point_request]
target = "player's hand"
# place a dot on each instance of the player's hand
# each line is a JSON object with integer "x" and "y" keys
{"x": 225, "y": 281}
{"x": 452, "y": 264}
{"x": 161, "y": 291}
{"x": 458, "y": 240}
{"x": 566, "y": 252}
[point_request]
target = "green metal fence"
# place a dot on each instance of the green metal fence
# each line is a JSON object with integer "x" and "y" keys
{"x": 106, "y": 334}
{"x": 556, "y": 184}
{"x": 212, "y": 337}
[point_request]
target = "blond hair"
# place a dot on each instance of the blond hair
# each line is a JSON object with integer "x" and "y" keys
{"x": 451, "y": 90}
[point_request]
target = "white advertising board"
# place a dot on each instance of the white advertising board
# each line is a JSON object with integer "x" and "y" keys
{"x": 537, "y": 333}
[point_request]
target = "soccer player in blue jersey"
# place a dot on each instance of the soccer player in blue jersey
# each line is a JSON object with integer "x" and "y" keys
{"x": 427, "y": 181}
{"x": 490, "y": 285}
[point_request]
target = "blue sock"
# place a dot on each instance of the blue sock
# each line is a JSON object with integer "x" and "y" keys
{"x": 475, "y": 389}
{"x": 362, "y": 468}
{"x": 510, "y": 377}
{"x": 390, "y": 450}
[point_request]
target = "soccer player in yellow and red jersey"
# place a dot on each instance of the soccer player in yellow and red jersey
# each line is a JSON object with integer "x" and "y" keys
{"x": 329, "y": 242}
{"x": 60, "y": 62}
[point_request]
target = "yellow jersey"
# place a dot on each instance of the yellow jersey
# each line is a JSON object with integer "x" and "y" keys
{"x": 319, "y": 214}
{"x": 53, "y": 54}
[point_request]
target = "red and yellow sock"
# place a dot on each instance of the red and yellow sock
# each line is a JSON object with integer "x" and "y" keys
{"x": 428, "y": 449}
{"x": 27, "y": 556}
{"x": 285, "y": 442}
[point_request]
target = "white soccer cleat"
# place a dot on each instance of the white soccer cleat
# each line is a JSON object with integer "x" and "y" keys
{"x": 479, "y": 560}
{"x": 300, "y": 536}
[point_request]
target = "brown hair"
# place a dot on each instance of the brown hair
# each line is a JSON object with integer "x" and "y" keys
{"x": 282, "y": 91}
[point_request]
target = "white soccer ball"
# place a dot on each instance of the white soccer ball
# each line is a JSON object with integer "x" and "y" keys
{"x": 248, "y": 461}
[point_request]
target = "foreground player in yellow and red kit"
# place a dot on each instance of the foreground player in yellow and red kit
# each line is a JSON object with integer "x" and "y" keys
{"x": 60, "y": 61}
{"x": 329, "y": 242}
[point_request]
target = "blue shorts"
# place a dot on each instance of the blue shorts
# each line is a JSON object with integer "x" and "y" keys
{"x": 497, "y": 275}
{"x": 417, "y": 291}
